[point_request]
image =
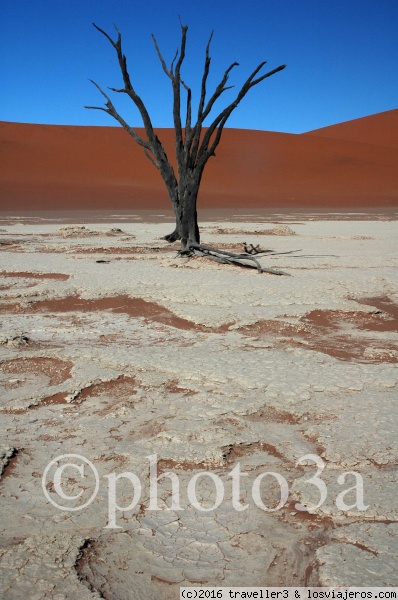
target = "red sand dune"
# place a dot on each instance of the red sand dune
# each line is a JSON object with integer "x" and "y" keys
{"x": 380, "y": 129}
{"x": 349, "y": 165}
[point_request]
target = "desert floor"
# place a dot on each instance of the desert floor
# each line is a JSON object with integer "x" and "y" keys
{"x": 115, "y": 349}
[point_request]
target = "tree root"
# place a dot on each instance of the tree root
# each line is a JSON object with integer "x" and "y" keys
{"x": 172, "y": 237}
{"x": 242, "y": 260}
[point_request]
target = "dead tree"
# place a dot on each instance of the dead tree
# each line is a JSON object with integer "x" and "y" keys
{"x": 194, "y": 143}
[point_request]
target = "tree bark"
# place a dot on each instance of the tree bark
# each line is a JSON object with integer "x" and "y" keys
{"x": 187, "y": 227}
{"x": 187, "y": 216}
{"x": 174, "y": 236}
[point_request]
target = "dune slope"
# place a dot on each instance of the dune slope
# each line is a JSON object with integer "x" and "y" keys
{"x": 53, "y": 167}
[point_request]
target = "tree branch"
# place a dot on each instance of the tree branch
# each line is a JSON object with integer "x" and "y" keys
{"x": 111, "y": 110}
{"x": 177, "y": 99}
{"x": 219, "y": 122}
{"x": 206, "y": 71}
{"x": 204, "y": 111}
{"x": 174, "y": 74}
{"x": 128, "y": 89}
{"x": 153, "y": 148}
{"x": 193, "y": 135}
{"x": 188, "y": 118}
{"x": 169, "y": 72}
{"x": 223, "y": 256}
{"x": 219, "y": 90}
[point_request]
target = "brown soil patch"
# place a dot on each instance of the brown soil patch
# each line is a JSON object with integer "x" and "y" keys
{"x": 356, "y": 544}
{"x": 272, "y": 328}
{"x": 14, "y": 411}
{"x": 118, "y": 389}
{"x": 122, "y": 386}
{"x": 133, "y": 307}
{"x": 383, "y": 318}
{"x": 166, "y": 581}
{"x": 312, "y": 438}
{"x": 55, "y": 399}
{"x": 55, "y": 369}
{"x": 29, "y": 275}
{"x": 173, "y": 388}
{"x": 305, "y": 515}
{"x": 272, "y": 415}
{"x": 237, "y": 451}
{"x": 335, "y": 332}
{"x": 167, "y": 464}
{"x": 334, "y": 319}
{"x": 387, "y": 306}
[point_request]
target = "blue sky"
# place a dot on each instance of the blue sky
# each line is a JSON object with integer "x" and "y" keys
{"x": 341, "y": 56}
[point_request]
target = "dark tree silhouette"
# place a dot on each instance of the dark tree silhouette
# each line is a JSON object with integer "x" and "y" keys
{"x": 194, "y": 143}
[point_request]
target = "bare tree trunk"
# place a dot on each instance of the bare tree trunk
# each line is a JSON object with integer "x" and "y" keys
{"x": 175, "y": 235}
{"x": 186, "y": 228}
{"x": 189, "y": 222}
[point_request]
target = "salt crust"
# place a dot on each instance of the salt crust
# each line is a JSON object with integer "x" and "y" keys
{"x": 199, "y": 400}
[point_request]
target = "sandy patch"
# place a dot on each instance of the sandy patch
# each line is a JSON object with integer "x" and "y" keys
{"x": 26, "y": 275}
{"x": 57, "y": 371}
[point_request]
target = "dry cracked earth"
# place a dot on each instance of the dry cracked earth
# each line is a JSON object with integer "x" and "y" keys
{"x": 115, "y": 349}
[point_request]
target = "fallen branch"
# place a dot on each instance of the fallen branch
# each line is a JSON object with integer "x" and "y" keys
{"x": 222, "y": 256}
{"x": 251, "y": 249}
{"x": 248, "y": 259}
{"x": 316, "y": 256}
